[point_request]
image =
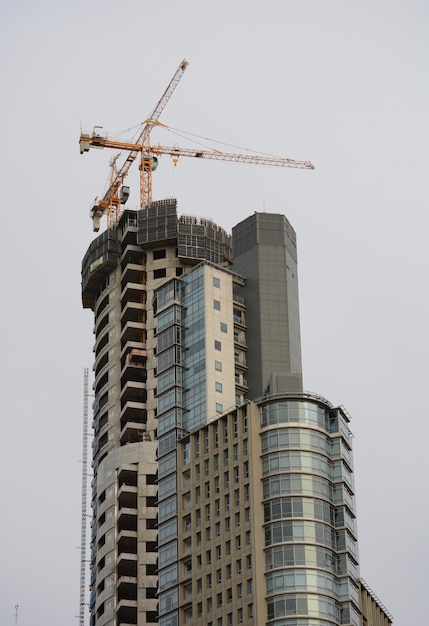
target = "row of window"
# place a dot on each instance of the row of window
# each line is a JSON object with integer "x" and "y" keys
{"x": 215, "y": 554}
{"x": 221, "y": 431}
{"x": 226, "y": 523}
{"x": 303, "y": 604}
{"x": 312, "y": 556}
{"x": 214, "y": 466}
{"x": 240, "y": 616}
{"x": 301, "y": 507}
{"x": 286, "y": 411}
{"x": 302, "y": 580}
{"x": 215, "y": 510}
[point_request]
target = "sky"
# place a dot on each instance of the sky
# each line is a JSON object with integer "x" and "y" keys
{"x": 342, "y": 84}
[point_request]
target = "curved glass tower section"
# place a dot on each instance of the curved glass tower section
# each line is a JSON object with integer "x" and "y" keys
{"x": 309, "y": 517}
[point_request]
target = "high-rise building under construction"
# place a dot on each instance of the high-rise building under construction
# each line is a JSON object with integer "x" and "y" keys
{"x": 223, "y": 492}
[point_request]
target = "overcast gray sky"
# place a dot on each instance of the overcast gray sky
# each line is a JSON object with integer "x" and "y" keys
{"x": 343, "y": 84}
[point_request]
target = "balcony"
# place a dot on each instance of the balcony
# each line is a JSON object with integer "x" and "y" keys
{"x": 127, "y": 565}
{"x": 127, "y": 476}
{"x": 127, "y": 588}
{"x": 132, "y": 254}
{"x": 133, "y": 273}
{"x": 133, "y": 432}
{"x": 240, "y": 360}
{"x": 133, "y": 413}
{"x": 127, "y": 542}
{"x": 126, "y": 612}
{"x": 133, "y": 292}
{"x": 240, "y": 340}
{"x": 133, "y": 332}
{"x": 133, "y": 391}
{"x": 127, "y": 519}
{"x": 239, "y": 320}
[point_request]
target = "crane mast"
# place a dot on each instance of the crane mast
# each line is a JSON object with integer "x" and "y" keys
{"x": 84, "y": 501}
{"x": 112, "y": 199}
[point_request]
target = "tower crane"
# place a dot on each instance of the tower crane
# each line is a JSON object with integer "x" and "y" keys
{"x": 117, "y": 194}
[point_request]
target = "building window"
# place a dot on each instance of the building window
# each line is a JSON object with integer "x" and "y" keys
{"x": 219, "y": 575}
{"x": 226, "y": 478}
{"x": 249, "y": 561}
{"x": 159, "y": 254}
{"x": 235, "y": 426}
{"x": 216, "y": 305}
{"x": 225, "y": 429}
{"x": 246, "y": 469}
{"x": 223, "y": 327}
{"x": 238, "y": 542}
{"x": 219, "y": 407}
{"x": 161, "y": 273}
{"x": 218, "y": 366}
{"x": 228, "y": 524}
{"x": 217, "y": 528}
{"x": 235, "y": 450}
{"x": 217, "y": 345}
{"x": 218, "y": 387}
{"x": 216, "y": 282}
{"x": 228, "y": 570}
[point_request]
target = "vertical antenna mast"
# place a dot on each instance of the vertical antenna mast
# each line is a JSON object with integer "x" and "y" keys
{"x": 84, "y": 500}
{"x": 16, "y": 614}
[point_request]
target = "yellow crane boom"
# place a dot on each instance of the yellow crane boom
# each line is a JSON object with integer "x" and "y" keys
{"x": 112, "y": 199}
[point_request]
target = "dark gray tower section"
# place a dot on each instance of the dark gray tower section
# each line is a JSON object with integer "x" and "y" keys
{"x": 264, "y": 251}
